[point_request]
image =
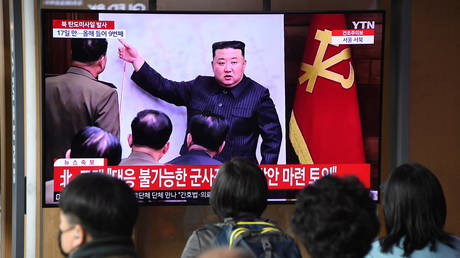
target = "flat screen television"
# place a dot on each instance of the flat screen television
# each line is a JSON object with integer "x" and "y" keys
{"x": 323, "y": 71}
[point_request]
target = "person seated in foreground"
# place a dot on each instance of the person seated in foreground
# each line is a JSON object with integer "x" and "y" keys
{"x": 149, "y": 138}
{"x": 93, "y": 142}
{"x": 97, "y": 215}
{"x": 335, "y": 218}
{"x": 414, "y": 209}
{"x": 239, "y": 196}
{"x": 205, "y": 140}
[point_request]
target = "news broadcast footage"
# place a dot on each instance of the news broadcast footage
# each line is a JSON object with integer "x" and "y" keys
{"x": 323, "y": 72}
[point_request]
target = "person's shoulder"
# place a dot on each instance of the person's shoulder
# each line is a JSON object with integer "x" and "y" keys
{"x": 175, "y": 161}
{"x": 110, "y": 85}
{"x": 253, "y": 84}
{"x": 447, "y": 251}
{"x": 375, "y": 251}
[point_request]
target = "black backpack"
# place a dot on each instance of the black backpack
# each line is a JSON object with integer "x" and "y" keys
{"x": 262, "y": 238}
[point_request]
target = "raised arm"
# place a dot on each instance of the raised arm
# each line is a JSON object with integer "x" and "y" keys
{"x": 129, "y": 54}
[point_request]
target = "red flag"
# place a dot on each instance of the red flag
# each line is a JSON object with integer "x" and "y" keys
{"x": 325, "y": 125}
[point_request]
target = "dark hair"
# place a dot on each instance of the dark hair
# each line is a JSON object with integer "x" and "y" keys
{"x": 151, "y": 128}
{"x": 336, "y": 218}
{"x": 208, "y": 131}
{"x": 235, "y": 44}
{"x": 93, "y": 142}
{"x": 88, "y": 50}
{"x": 103, "y": 205}
{"x": 240, "y": 190}
{"x": 414, "y": 208}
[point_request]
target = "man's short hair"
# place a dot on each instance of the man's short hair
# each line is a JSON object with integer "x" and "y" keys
{"x": 88, "y": 50}
{"x": 235, "y": 44}
{"x": 151, "y": 128}
{"x": 208, "y": 131}
{"x": 93, "y": 142}
{"x": 103, "y": 205}
{"x": 335, "y": 218}
{"x": 240, "y": 190}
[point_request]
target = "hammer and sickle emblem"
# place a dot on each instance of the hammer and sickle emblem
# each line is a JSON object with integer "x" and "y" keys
{"x": 319, "y": 68}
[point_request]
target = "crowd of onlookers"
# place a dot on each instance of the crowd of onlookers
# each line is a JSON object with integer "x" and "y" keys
{"x": 334, "y": 217}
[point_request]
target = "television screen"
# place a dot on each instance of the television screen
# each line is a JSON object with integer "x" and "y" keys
{"x": 302, "y": 100}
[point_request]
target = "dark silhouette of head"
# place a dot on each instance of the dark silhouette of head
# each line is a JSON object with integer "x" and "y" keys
{"x": 101, "y": 204}
{"x": 208, "y": 131}
{"x": 151, "y": 128}
{"x": 235, "y": 44}
{"x": 240, "y": 190}
{"x": 88, "y": 50}
{"x": 335, "y": 218}
{"x": 93, "y": 142}
{"x": 414, "y": 208}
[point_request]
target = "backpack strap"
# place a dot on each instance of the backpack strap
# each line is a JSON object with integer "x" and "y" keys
{"x": 267, "y": 246}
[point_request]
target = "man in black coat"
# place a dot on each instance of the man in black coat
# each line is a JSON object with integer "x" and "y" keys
{"x": 205, "y": 140}
{"x": 245, "y": 104}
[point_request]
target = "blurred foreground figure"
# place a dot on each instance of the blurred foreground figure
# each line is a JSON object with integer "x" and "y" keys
{"x": 336, "y": 218}
{"x": 414, "y": 208}
{"x": 97, "y": 216}
{"x": 238, "y": 197}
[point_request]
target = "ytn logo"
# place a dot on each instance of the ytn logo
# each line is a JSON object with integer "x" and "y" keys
{"x": 364, "y": 24}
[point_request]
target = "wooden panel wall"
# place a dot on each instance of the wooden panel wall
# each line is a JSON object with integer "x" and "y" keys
{"x": 434, "y": 96}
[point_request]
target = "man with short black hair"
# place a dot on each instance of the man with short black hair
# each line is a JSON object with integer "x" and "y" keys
{"x": 93, "y": 142}
{"x": 245, "y": 104}
{"x": 77, "y": 99}
{"x": 97, "y": 216}
{"x": 149, "y": 138}
{"x": 205, "y": 140}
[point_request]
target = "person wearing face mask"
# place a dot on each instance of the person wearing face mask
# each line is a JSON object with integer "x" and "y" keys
{"x": 97, "y": 216}
{"x": 243, "y": 103}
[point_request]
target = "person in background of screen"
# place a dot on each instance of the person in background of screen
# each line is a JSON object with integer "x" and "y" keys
{"x": 336, "y": 218}
{"x": 149, "y": 138}
{"x": 77, "y": 99}
{"x": 226, "y": 253}
{"x": 245, "y": 104}
{"x": 414, "y": 209}
{"x": 93, "y": 142}
{"x": 239, "y": 193}
{"x": 205, "y": 140}
{"x": 90, "y": 142}
{"x": 97, "y": 216}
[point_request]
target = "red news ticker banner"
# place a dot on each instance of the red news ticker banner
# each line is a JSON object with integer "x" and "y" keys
{"x": 191, "y": 177}
{"x": 83, "y": 24}
{"x": 366, "y": 32}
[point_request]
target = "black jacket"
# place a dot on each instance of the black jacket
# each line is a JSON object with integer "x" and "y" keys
{"x": 247, "y": 107}
{"x": 109, "y": 247}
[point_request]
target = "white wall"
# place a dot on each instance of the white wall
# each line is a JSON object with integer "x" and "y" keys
{"x": 179, "y": 47}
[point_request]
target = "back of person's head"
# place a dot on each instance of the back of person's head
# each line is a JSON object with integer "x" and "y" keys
{"x": 414, "y": 208}
{"x": 336, "y": 218}
{"x": 226, "y": 253}
{"x": 240, "y": 190}
{"x": 93, "y": 142}
{"x": 208, "y": 131}
{"x": 151, "y": 128}
{"x": 88, "y": 50}
{"x": 235, "y": 44}
{"x": 102, "y": 205}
